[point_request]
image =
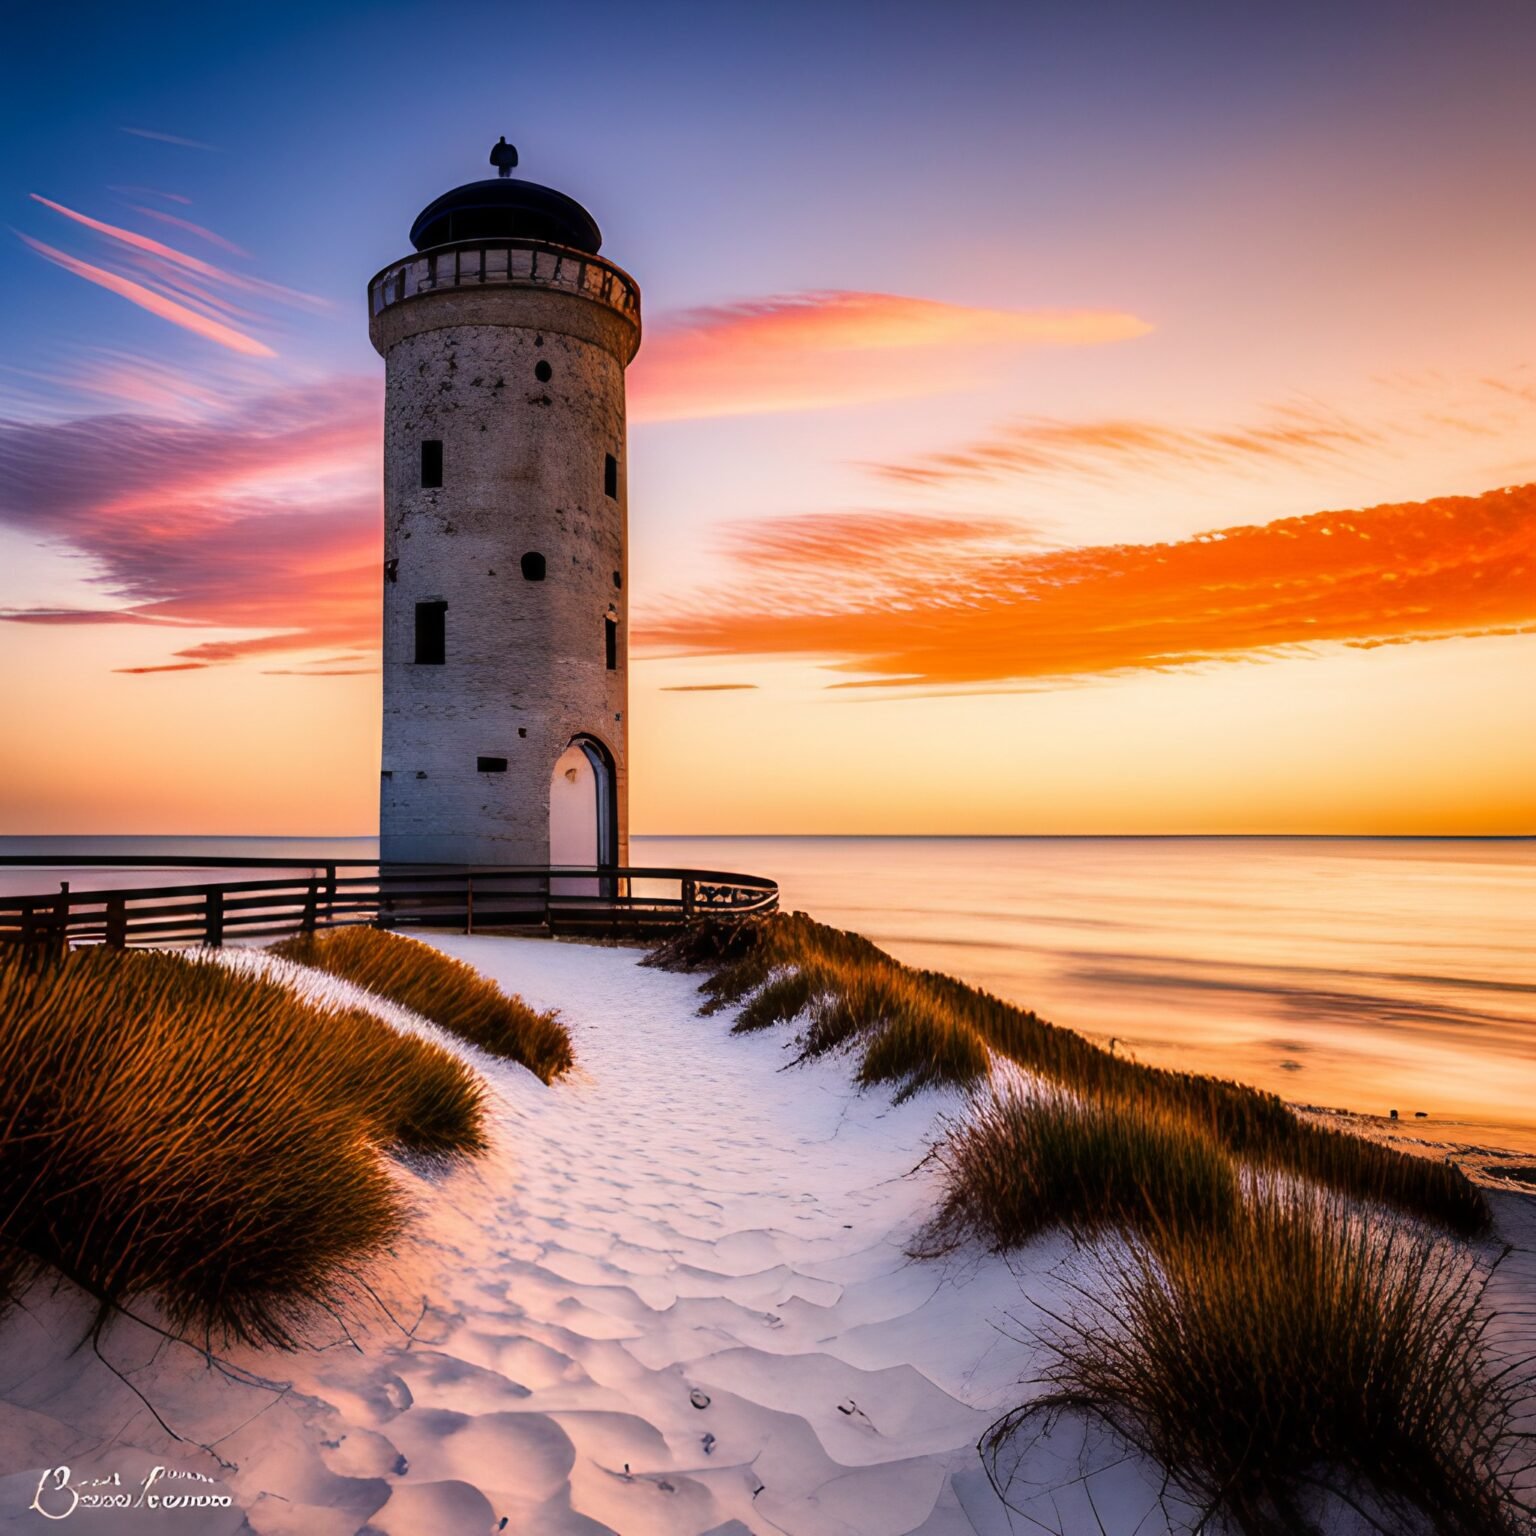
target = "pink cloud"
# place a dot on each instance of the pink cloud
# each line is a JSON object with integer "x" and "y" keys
{"x": 187, "y": 318}
{"x": 802, "y": 351}
{"x": 264, "y": 518}
{"x": 200, "y": 230}
{"x": 195, "y": 265}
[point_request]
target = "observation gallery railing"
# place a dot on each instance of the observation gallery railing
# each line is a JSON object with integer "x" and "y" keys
{"x": 514, "y": 263}
{"x": 578, "y": 901}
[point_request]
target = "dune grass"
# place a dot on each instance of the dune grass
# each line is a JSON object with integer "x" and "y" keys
{"x": 442, "y": 989}
{"x": 915, "y": 1029}
{"x": 1020, "y": 1165}
{"x": 1304, "y": 1350}
{"x": 173, "y": 1128}
{"x": 1272, "y": 1320}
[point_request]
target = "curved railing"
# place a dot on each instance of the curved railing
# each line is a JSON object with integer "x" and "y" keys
{"x": 577, "y": 900}
{"x": 504, "y": 263}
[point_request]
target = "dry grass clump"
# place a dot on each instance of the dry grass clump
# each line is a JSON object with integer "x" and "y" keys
{"x": 175, "y": 1128}
{"x": 1020, "y": 1165}
{"x": 1304, "y": 1350}
{"x": 916, "y": 1028}
{"x": 442, "y": 989}
{"x": 1266, "y": 1341}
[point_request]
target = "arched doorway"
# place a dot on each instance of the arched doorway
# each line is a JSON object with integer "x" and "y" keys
{"x": 583, "y": 821}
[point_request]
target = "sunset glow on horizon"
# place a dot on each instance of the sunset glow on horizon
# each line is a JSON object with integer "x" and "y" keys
{"x": 1141, "y": 439}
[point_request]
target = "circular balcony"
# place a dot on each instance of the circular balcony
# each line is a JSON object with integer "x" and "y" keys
{"x": 470, "y": 265}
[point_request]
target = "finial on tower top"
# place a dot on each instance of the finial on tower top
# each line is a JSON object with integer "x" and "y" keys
{"x": 503, "y": 156}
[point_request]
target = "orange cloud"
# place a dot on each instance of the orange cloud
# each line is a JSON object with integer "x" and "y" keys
{"x": 157, "y": 304}
{"x": 1391, "y": 574}
{"x": 796, "y": 352}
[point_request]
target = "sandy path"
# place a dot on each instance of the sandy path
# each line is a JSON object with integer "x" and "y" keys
{"x": 674, "y": 1300}
{"x": 689, "y": 1222}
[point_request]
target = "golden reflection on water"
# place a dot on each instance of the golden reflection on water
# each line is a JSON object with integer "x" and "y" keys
{"x": 1367, "y": 974}
{"x": 1351, "y": 973}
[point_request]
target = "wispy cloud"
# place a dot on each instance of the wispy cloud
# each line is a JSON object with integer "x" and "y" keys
{"x": 158, "y": 304}
{"x": 1042, "y": 445}
{"x": 200, "y": 230}
{"x": 1415, "y": 571}
{"x": 148, "y": 245}
{"x": 801, "y": 351}
{"x": 1405, "y": 412}
{"x": 263, "y": 518}
{"x": 167, "y": 138}
{"x": 172, "y": 284}
{"x": 170, "y": 197}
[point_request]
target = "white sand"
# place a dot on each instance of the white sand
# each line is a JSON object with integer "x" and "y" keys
{"x": 673, "y": 1300}
{"x": 682, "y": 1222}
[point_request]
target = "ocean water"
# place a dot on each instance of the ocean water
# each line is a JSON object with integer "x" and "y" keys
{"x": 1366, "y": 974}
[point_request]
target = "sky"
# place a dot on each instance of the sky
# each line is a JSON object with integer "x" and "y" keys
{"x": 1062, "y": 418}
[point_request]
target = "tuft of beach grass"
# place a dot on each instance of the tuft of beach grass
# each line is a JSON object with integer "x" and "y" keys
{"x": 1020, "y": 1165}
{"x": 442, "y": 989}
{"x": 1271, "y": 1324}
{"x": 1304, "y": 1353}
{"x": 173, "y": 1128}
{"x": 914, "y": 1029}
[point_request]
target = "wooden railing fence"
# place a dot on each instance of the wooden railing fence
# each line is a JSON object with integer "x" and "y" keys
{"x": 592, "y": 901}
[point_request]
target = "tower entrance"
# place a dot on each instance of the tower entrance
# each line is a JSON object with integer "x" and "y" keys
{"x": 583, "y": 824}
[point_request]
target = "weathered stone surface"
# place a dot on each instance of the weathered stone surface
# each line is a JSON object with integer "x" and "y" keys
{"x": 523, "y": 472}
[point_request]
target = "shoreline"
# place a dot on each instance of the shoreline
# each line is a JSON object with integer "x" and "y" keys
{"x": 1482, "y": 1164}
{"x": 676, "y": 1297}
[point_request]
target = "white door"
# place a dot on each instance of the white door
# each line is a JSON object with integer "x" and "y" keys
{"x": 573, "y": 819}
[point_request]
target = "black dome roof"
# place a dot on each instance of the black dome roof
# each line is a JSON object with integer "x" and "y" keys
{"x": 504, "y": 209}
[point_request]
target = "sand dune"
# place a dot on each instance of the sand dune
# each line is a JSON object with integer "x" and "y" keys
{"x": 673, "y": 1299}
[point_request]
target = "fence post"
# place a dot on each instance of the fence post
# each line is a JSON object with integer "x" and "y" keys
{"x": 117, "y": 922}
{"x": 61, "y": 917}
{"x": 469, "y": 903}
{"x": 689, "y": 897}
{"x": 330, "y": 892}
{"x": 213, "y": 934}
{"x": 311, "y": 905}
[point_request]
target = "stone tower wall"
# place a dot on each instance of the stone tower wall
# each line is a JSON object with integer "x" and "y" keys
{"x": 523, "y": 474}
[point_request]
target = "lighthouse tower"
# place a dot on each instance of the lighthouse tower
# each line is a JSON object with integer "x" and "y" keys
{"x": 505, "y": 339}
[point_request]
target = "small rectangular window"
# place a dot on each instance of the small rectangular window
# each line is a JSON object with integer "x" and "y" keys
{"x": 611, "y": 642}
{"x": 490, "y": 765}
{"x": 610, "y": 476}
{"x": 431, "y": 634}
{"x": 431, "y": 463}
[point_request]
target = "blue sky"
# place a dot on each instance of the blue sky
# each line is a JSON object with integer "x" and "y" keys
{"x": 1312, "y": 211}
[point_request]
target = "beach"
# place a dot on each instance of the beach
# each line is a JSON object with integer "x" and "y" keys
{"x": 674, "y": 1298}
{"x": 1357, "y": 974}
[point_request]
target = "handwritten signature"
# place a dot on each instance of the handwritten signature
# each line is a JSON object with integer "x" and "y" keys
{"x": 58, "y": 1495}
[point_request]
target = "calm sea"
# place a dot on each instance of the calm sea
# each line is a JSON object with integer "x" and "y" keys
{"x": 1368, "y": 974}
